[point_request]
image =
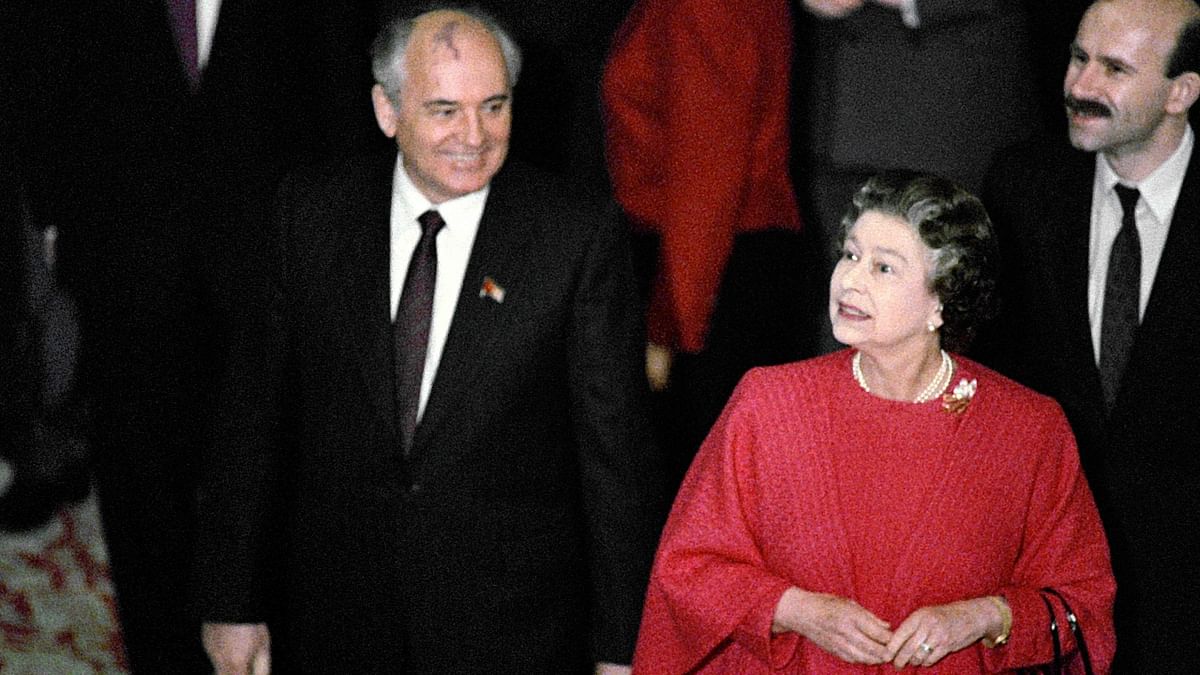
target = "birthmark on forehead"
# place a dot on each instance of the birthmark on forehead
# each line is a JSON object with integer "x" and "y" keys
{"x": 444, "y": 39}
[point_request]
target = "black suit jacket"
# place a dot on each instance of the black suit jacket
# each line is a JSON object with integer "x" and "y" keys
{"x": 517, "y": 536}
{"x": 158, "y": 190}
{"x": 119, "y": 148}
{"x": 1144, "y": 460}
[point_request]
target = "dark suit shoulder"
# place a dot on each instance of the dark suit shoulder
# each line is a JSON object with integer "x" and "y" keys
{"x": 1038, "y": 158}
{"x": 1034, "y": 179}
{"x": 355, "y": 172}
{"x": 1022, "y": 154}
{"x": 551, "y": 193}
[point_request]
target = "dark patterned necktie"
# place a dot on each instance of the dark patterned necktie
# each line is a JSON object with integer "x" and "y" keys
{"x": 1122, "y": 292}
{"x": 183, "y": 24}
{"x": 411, "y": 329}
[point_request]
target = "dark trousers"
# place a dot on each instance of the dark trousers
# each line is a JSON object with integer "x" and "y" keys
{"x": 761, "y": 318}
{"x": 150, "y": 387}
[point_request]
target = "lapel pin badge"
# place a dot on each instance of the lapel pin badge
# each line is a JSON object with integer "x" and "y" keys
{"x": 491, "y": 289}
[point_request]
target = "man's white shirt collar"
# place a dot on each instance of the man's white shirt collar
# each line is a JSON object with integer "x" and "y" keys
{"x": 454, "y": 244}
{"x": 1161, "y": 188}
{"x": 459, "y": 213}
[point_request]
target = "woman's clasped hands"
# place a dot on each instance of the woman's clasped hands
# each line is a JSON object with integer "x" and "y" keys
{"x": 850, "y": 632}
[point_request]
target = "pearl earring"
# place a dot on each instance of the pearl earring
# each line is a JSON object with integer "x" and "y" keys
{"x": 930, "y": 326}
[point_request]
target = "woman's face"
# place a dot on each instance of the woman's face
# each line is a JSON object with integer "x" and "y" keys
{"x": 878, "y": 296}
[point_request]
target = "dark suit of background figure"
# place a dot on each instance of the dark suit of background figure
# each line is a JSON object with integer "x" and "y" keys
{"x": 558, "y": 124}
{"x": 517, "y": 535}
{"x": 1051, "y": 30}
{"x": 16, "y": 378}
{"x": 700, "y": 167}
{"x": 874, "y": 94}
{"x": 156, "y": 188}
{"x": 1143, "y": 463}
{"x": 43, "y": 432}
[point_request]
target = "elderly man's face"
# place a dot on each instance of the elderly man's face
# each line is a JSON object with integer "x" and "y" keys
{"x": 454, "y": 116}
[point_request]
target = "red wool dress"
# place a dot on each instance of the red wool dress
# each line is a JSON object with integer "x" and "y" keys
{"x": 806, "y": 480}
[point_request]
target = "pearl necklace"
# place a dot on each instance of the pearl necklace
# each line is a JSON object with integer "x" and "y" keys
{"x": 936, "y": 386}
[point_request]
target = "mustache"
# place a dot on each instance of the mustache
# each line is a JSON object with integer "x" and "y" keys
{"x": 1083, "y": 106}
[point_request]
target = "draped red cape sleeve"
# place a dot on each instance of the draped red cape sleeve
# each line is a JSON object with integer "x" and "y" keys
{"x": 808, "y": 481}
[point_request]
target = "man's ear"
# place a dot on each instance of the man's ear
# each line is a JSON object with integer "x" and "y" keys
{"x": 1185, "y": 89}
{"x": 386, "y": 115}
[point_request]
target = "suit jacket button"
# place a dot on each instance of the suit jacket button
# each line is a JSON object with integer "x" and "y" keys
{"x": 415, "y": 488}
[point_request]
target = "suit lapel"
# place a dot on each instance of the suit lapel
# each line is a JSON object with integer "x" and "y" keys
{"x": 366, "y": 264}
{"x": 1170, "y": 318}
{"x": 1071, "y": 254}
{"x": 499, "y": 253}
{"x": 218, "y": 38}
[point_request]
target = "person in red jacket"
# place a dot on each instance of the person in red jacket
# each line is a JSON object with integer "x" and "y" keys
{"x": 890, "y": 505}
{"x": 696, "y": 102}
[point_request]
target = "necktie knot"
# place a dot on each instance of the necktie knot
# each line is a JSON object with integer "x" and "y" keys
{"x": 1129, "y": 199}
{"x": 431, "y": 223}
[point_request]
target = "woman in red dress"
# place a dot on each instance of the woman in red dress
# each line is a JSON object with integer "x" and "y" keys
{"x": 888, "y": 506}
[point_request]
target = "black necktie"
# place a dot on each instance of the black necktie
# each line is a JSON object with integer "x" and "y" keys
{"x": 1122, "y": 292}
{"x": 411, "y": 329}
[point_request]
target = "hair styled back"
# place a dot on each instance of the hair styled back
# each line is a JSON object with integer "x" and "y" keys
{"x": 390, "y": 49}
{"x": 1185, "y": 57}
{"x": 953, "y": 224}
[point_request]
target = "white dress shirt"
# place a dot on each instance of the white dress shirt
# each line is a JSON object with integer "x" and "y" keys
{"x": 454, "y": 244}
{"x": 207, "y": 12}
{"x": 1159, "y": 193}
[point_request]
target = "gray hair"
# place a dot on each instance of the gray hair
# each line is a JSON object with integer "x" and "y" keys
{"x": 390, "y": 48}
{"x": 953, "y": 224}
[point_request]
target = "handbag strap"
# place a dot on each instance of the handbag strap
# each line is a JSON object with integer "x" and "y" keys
{"x": 1055, "y": 665}
{"x": 1076, "y": 631}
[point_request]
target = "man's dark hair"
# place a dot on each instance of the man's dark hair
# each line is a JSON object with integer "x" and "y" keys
{"x": 1186, "y": 55}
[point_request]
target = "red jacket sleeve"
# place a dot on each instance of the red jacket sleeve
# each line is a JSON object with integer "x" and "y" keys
{"x": 696, "y": 96}
{"x": 1064, "y": 547}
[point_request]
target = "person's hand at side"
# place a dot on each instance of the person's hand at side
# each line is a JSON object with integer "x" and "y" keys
{"x": 930, "y": 633}
{"x": 839, "y": 626}
{"x": 658, "y": 366}
{"x": 238, "y": 648}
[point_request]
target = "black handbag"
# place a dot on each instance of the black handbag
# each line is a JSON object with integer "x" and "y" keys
{"x": 1081, "y": 660}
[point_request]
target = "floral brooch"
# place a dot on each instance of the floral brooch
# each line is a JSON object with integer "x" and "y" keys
{"x": 956, "y": 402}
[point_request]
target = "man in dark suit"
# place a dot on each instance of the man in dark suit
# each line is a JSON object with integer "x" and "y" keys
{"x": 1102, "y": 306}
{"x": 158, "y": 176}
{"x": 509, "y": 530}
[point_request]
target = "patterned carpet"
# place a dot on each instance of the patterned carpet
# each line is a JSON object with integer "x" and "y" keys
{"x": 57, "y": 615}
